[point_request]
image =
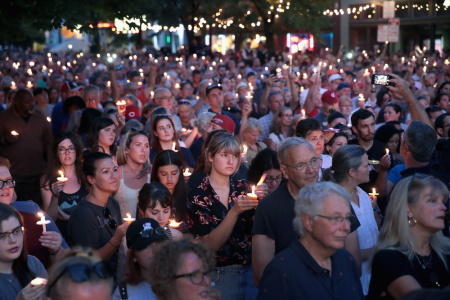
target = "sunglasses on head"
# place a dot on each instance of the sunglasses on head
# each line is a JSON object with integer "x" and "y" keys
{"x": 107, "y": 215}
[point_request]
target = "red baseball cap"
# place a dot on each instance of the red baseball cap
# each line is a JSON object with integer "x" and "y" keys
{"x": 330, "y": 97}
{"x": 225, "y": 122}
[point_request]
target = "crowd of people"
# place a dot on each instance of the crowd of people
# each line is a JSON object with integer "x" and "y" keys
{"x": 149, "y": 175}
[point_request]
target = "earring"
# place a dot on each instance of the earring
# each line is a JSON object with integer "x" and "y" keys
{"x": 412, "y": 221}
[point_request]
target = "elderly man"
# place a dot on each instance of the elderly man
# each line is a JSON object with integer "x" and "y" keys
{"x": 316, "y": 266}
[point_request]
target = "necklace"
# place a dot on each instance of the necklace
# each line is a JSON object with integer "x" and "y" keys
{"x": 424, "y": 261}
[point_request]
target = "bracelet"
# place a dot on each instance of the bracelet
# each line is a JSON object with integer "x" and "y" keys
{"x": 113, "y": 244}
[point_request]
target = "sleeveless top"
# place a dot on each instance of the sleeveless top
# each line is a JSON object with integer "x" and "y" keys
{"x": 68, "y": 202}
{"x": 127, "y": 197}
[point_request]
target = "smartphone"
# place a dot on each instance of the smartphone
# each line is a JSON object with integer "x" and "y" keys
{"x": 379, "y": 79}
{"x": 274, "y": 73}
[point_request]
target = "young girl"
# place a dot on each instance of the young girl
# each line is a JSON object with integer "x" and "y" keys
{"x": 156, "y": 202}
{"x": 17, "y": 268}
{"x": 61, "y": 197}
{"x": 102, "y": 137}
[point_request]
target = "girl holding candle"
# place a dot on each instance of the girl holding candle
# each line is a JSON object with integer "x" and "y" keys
{"x": 221, "y": 215}
{"x": 155, "y": 201}
{"x": 102, "y": 137}
{"x": 164, "y": 137}
{"x": 167, "y": 169}
{"x": 349, "y": 169}
{"x": 61, "y": 197}
{"x": 134, "y": 169}
{"x": 17, "y": 268}
{"x": 97, "y": 222}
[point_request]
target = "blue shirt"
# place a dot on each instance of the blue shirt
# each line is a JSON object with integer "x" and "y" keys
{"x": 294, "y": 274}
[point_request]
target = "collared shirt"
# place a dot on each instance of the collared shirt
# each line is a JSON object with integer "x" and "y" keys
{"x": 206, "y": 212}
{"x": 294, "y": 274}
{"x": 266, "y": 123}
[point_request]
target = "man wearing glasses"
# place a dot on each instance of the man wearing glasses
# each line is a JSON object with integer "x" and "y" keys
{"x": 315, "y": 266}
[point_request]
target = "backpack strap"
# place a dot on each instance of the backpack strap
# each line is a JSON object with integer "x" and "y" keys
{"x": 123, "y": 291}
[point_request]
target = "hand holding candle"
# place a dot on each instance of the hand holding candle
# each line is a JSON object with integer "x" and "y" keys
{"x": 252, "y": 194}
{"x": 186, "y": 173}
{"x": 173, "y": 223}
{"x": 374, "y": 192}
{"x": 43, "y": 221}
{"x": 61, "y": 177}
{"x": 387, "y": 151}
{"x": 38, "y": 281}
{"x": 14, "y": 133}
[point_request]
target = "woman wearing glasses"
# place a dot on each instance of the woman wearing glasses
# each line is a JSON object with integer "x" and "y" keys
{"x": 17, "y": 269}
{"x": 134, "y": 169}
{"x": 61, "y": 197}
{"x": 351, "y": 168}
{"x": 183, "y": 270}
{"x": 221, "y": 215}
{"x": 412, "y": 252}
{"x": 281, "y": 126}
{"x": 97, "y": 222}
{"x": 144, "y": 238}
{"x": 164, "y": 137}
{"x": 266, "y": 162}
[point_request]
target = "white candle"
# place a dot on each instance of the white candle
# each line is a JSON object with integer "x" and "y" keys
{"x": 15, "y": 133}
{"x": 38, "y": 281}
{"x": 49, "y": 119}
{"x": 252, "y": 194}
{"x": 361, "y": 98}
{"x": 174, "y": 224}
{"x": 174, "y": 145}
{"x": 261, "y": 180}
{"x": 387, "y": 151}
{"x": 43, "y": 221}
{"x": 186, "y": 173}
{"x": 129, "y": 218}
{"x": 61, "y": 176}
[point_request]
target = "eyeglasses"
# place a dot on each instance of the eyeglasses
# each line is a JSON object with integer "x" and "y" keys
{"x": 151, "y": 231}
{"x": 337, "y": 220}
{"x": 107, "y": 214}
{"x": 277, "y": 179}
{"x": 83, "y": 272}
{"x": 17, "y": 232}
{"x": 8, "y": 182}
{"x": 315, "y": 163}
{"x": 62, "y": 150}
{"x": 198, "y": 276}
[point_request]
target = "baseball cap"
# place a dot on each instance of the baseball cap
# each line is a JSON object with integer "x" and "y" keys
{"x": 335, "y": 77}
{"x": 225, "y": 122}
{"x": 241, "y": 85}
{"x": 143, "y": 232}
{"x": 330, "y": 97}
{"x": 343, "y": 85}
{"x": 210, "y": 87}
{"x": 131, "y": 112}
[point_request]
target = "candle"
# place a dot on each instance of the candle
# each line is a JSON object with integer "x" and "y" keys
{"x": 174, "y": 145}
{"x": 129, "y": 218}
{"x": 43, "y": 221}
{"x": 174, "y": 224}
{"x": 303, "y": 112}
{"x": 61, "y": 176}
{"x": 186, "y": 173}
{"x": 374, "y": 192}
{"x": 261, "y": 180}
{"x": 387, "y": 151}
{"x": 361, "y": 98}
{"x": 108, "y": 84}
{"x": 121, "y": 106}
{"x": 447, "y": 62}
{"x": 15, "y": 133}
{"x": 29, "y": 85}
{"x": 252, "y": 194}
{"x": 244, "y": 150}
{"x": 38, "y": 281}
{"x": 49, "y": 119}
{"x": 374, "y": 162}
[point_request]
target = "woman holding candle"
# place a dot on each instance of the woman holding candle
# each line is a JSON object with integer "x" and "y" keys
{"x": 265, "y": 163}
{"x": 134, "y": 169}
{"x": 97, "y": 222}
{"x": 351, "y": 168}
{"x": 102, "y": 137}
{"x": 17, "y": 268}
{"x": 251, "y": 130}
{"x": 155, "y": 201}
{"x": 390, "y": 136}
{"x": 164, "y": 137}
{"x": 60, "y": 197}
{"x": 412, "y": 253}
{"x": 221, "y": 215}
{"x": 281, "y": 126}
{"x": 167, "y": 169}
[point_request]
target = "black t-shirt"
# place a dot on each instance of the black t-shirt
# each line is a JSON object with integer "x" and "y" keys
{"x": 388, "y": 265}
{"x": 376, "y": 152}
{"x": 275, "y": 215}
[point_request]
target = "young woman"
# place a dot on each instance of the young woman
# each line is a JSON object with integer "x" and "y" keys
{"x": 412, "y": 253}
{"x": 17, "y": 269}
{"x": 164, "y": 137}
{"x": 142, "y": 248}
{"x": 102, "y": 137}
{"x": 390, "y": 136}
{"x": 266, "y": 162}
{"x": 61, "y": 197}
{"x": 97, "y": 222}
{"x": 167, "y": 169}
{"x": 351, "y": 168}
{"x": 221, "y": 215}
{"x": 134, "y": 169}
{"x": 339, "y": 139}
{"x": 281, "y": 126}
{"x": 156, "y": 202}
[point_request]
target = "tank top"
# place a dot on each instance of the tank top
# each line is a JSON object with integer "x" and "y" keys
{"x": 68, "y": 202}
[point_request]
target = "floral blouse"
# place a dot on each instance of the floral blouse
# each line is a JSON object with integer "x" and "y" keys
{"x": 206, "y": 212}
